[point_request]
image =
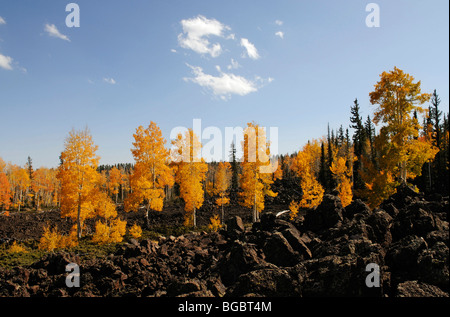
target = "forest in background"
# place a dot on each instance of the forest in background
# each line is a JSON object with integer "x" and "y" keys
{"x": 405, "y": 140}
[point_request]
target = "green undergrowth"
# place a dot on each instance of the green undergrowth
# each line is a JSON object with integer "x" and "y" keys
{"x": 31, "y": 254}
{"x": 85, "y": 248}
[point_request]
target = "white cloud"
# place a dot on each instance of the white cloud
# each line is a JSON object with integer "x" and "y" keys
{"x": 252, "y": 52}
{"x": 234, "y": 64}
{"x": 231, "y": 37}
{"x": 6, "y": 62}
{"x": 196, "y": 32}
{"x": 54, "y": 32}
{"x": 173, "y": 50}
{"x": 278, "y": 22}
{"x": 280, "y": 34}
{"x": 109, "y": 80}
{"x": 226, "y": 84}
{"x": 2, "y": 21}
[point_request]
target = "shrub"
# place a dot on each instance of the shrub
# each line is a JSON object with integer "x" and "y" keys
{"x": 136, "y": 231}
{"x": 17, "y": 248}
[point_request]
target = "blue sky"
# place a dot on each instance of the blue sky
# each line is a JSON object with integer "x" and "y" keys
{"x": 224, "y": 62}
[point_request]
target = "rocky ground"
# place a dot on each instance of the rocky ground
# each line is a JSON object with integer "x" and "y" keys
{"x": 321, "y": 253}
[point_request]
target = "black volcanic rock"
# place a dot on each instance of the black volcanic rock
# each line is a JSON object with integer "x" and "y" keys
{"x": 326, "y": 254}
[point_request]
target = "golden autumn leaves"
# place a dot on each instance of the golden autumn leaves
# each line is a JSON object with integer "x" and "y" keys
{"x": 155, "y": 169}
{"x": 400, "y": 155}
{"x": 401, "y": 151}
{"x": 82, "y": 196}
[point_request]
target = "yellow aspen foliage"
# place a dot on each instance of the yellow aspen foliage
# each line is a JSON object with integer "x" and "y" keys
{"x": 420, "y": 151}
{"x": 278, "y": 174}
{"x": 191, "y": 171}
{"x": 20, "y": 181}
{"x": 312, "y": 191}
{"x": 223, "y": 179}
{"x": 17, "y": 248}
{"x": 2, "y": 165}
{"x": 209, "y": 188}
{"x": 70, "y": 240}
{"x": 342, "y": 174}
{"x": 215, "y": 223}
{"x": 136, "y": 231}
{"x": 118, "y": 230}
{"x": 380, "y": 185}
{"x": 104, "y": 206}
{"x": 50, "y": 239}
{"x": 40, "y": 184}
{"x": 102, "y": 233}
{"x": 345, "y": 192}
{"x": 256, "y": 175}
{"x": 400, "y": 153}
{"x": 293, "y": 207}
{"x": 397, "y": 97}
{"x": 115, "y": 180}
{"x": 311, "y": 188}
{"x": 379, "y": 181}
{"x": 81, "y": 195}
{"x": 151, "y": 172}
{"x": 5, "y": 192}
{"x": 110, "y": 231}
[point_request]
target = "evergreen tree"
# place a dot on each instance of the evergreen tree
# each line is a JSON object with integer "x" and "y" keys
{"x": 329, "y": 180}
{"x": 30, "y": 170}
{"x": 359, "y": 140}
{"x": 370, "y": 134}
{"x": 435, "y": 115}
{"x": 234, "y": 172}
{"x": 323, "y": 167}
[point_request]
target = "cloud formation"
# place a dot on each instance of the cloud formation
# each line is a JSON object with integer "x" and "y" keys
{"x": 110, "y": 81}
{"x": 233, "y": 65}
{"x": 2, "y": 21}
{"x": 251, "y": 50}
{"x": 53, "y": 31}
{"x": 197, "y": 32}
{"x": 224, "y": 85}
{"x": 280, "y": 34}
{"x": 6, "y": 62}
{"x": 279, "y": 22}
{"x": 206, "y": 37}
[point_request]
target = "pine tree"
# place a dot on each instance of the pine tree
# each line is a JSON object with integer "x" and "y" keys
{"x": 323, "y": 166}
{"x": 234, "y": 171}
{"x": 440, "y": 174}
{"x": 330, "y": 156}
{"x": 370, "y": 135}
{"x": 359, "y": 140}
{"x": 29, "y": 166}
